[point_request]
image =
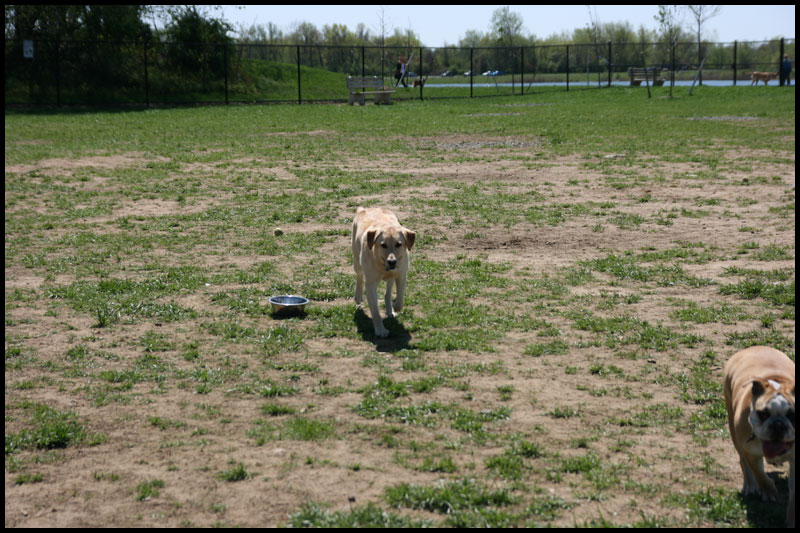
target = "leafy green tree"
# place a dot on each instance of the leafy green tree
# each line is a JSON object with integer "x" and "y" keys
{"x": 197, "y": 43}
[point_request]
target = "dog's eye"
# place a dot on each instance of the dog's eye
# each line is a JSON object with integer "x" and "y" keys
{"x": 383, "y": 245}
{"x": 398, "y": 245}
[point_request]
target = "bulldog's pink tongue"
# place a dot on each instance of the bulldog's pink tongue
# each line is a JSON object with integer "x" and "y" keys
{"x": 773, "y": 449}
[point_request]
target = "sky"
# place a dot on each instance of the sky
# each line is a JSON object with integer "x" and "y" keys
{"x": 446, "y": 24}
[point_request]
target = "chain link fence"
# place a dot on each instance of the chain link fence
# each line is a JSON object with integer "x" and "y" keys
{"x": 49, "y": 72}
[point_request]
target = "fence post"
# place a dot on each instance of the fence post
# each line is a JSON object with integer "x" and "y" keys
{"x": 672, "y": 73}
{"x": 146, "y": 77}
{"x": 225, "y": 59}
{"x": 735, "y": 46}
{"x": 299, "y": 92}
{"x": 58, "y": 73}
{"x": 419, "y": 74}
{"x": 609, "y": 64}
{"x": 521, "y": 70}
{"x": 362, "y": 65}
{"x": 471, "y": 71}
{"x": 780, "y": 64}
{"x": 699, "y": 76}
{"x": 567, "y": 68}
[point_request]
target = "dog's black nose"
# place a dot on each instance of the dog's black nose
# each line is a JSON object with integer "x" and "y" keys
{"x": 392, "y": 263}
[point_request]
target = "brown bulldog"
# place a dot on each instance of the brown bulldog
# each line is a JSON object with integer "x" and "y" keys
{"x": 759, "y": 395}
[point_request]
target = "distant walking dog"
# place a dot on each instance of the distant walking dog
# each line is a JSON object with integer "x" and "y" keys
{"x": 419, "y": 83}
{"x": 756, "y": 76}
{"x": 380, "y": 252}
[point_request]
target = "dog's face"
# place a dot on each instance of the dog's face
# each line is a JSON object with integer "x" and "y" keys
{"x": 390, "y": 245}
{"x": 772, "y": 417}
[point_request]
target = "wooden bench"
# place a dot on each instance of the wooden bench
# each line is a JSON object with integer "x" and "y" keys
{"x": 638, "y": 74}
{"x": 356, "y": 86}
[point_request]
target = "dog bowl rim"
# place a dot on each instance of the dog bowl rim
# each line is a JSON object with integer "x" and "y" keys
{"x": 304, "y": 300}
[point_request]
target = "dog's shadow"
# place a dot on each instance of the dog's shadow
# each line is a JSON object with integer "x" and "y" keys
{"x": 767, "y": 514}
{"x": 397, "y": 340}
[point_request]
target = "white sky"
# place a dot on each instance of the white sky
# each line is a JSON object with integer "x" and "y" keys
{"x": 440, "y": 24}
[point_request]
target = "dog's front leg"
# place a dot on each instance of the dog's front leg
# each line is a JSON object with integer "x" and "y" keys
{"x": 401, "y": 294}
{"x": 359, "y": 287}
{"x": 765, "y": 487}
{"x": 372, "y": 299}
{"x": 387, "y": 300}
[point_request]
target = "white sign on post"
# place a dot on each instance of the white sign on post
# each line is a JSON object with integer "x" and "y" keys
{"x": 27, "y": 49}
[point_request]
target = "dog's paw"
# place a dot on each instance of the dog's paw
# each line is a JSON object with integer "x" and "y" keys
{"x": 381, "y": 332}
{"x": 768, "y": 493}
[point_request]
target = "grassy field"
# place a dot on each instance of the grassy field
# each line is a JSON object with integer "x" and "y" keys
{"x": 585, "y": 263}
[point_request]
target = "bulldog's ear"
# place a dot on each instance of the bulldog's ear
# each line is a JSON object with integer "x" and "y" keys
{"x": 758, "y": 389}
{"x": 371, "y": 237}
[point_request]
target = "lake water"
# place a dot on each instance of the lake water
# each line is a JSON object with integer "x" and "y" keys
{"x": 678, "y": 83}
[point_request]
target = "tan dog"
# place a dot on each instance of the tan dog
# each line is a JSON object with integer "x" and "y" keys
{"x": 419, "y": 83}
{"x": 380, "y": 252}
{"x": 759, "y": 395}
{"x": 755, "y": 77}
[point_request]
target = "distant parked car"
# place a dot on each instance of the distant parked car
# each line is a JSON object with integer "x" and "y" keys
{"x": 497, "y": 73}
{"x": 448, "y": 73}
{"x": 467, "y": 73}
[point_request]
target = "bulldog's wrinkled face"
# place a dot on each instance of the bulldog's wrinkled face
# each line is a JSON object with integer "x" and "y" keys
{"x": 772, "y": 417}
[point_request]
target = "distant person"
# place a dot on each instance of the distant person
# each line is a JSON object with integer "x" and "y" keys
{"x": 786, "y": 70}
{"x": 400, "y": 70}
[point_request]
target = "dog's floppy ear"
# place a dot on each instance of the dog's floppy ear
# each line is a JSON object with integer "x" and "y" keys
{"x": 410, "y": 238}
{"x": 371, "y": 234}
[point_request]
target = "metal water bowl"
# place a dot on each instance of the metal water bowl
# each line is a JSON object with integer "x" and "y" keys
{"x": 288, "y": 305}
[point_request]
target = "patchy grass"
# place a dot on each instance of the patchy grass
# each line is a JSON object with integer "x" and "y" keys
{"x": 581, "y": 273}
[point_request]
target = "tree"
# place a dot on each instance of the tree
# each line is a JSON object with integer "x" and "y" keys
{"x": 194, "y": 43}
{"x": 701, "y": 14}
{"x": 471, "y": 39}
{"x": 306, "y": 34}
{"x": 383, "y": 24}
{"x": 93, "y": 49}
{"x": 670, "y": 26}
{"x": 507, "y": 26}
{"x": 75, "y": 22}
{"x": 339, "y": 53}
{"x": 594, "y": 31}
{"x": 669, "y": 23}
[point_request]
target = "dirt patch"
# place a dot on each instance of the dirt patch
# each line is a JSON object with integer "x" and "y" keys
{"x": 724, "y": 118}
{"x": 60, "y": 166}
